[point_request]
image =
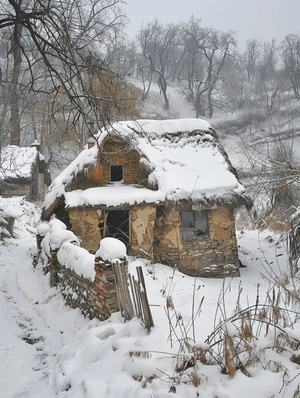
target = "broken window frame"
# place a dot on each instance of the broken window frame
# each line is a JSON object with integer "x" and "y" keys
{"x": 198, "y": 226}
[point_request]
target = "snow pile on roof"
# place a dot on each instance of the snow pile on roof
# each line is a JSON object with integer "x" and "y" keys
{"x": 184, "y": 159}
{"x": 17, "y": 162}
{"x": 112, "y": 195}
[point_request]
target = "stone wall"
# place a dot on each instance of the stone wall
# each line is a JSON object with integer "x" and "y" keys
{"x": 78, "y": 292}
{"x": 96, "y": 298}
{"x": 211, "y": 255}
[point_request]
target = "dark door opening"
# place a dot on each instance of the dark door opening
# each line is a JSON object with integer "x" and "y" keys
{"x": 117, "y": 225}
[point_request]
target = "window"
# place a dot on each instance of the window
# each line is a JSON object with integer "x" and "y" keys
{"x": 194, "y": 224}
{"x": 116, "y": 173}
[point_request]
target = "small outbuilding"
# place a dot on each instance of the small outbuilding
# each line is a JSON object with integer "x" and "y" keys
{"x": 165, "y": 188}
{"x": 23, "y": 172}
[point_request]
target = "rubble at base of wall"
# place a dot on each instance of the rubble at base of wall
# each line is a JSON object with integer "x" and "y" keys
{"x": 214, "y": 271}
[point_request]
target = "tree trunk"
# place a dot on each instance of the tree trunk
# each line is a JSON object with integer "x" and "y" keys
{"x": 14, "y": 89}
{"x": 163, "y": 87}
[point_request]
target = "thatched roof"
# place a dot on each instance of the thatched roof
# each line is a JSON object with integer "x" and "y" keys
{"x": 185, "y": 160}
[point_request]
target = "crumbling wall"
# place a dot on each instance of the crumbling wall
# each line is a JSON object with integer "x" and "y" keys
{"x": 211, "y": 255}
{"x": 89, "y": 225}
{"x": 142, "y": 220}
{"x": 86, "y": 224}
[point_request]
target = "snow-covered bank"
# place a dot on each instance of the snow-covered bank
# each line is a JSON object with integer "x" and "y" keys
{"x": 34, "y": 322}
{"x": 49, "y": 350}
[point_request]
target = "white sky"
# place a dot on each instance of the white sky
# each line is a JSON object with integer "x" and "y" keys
{"x": 250, "y": 19}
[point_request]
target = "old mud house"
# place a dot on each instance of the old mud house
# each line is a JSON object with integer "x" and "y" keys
{"x": 165, "y": 188}
{"x": 23, "y": 172}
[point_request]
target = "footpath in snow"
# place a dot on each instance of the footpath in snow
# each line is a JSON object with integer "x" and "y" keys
{"x": 34, "y": 323}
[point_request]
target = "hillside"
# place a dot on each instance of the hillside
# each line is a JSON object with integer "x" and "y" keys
{"x": 263, "y": 147}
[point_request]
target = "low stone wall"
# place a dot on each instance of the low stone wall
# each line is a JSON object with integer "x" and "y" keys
{"x": 96, "y": 298}
{"x": 77, "y": 291}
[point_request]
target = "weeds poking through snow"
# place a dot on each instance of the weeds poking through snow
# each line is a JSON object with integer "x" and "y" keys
{"x": 237, "y": 342}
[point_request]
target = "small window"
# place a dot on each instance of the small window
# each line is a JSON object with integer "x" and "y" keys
{"x": 194, "y": 224}
{"x": 116, "y": 173}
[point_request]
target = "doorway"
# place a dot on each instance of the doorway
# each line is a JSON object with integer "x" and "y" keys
{"x": 117, "y": 225}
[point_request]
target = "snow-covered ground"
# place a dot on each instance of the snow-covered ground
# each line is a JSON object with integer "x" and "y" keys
{"x": 49, "y": 350}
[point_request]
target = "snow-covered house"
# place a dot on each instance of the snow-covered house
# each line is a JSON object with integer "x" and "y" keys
{"x": 165, "y": 188}
{"x": 23, "y": 172}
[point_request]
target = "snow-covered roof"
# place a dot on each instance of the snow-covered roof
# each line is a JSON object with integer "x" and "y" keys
{"x": 184, "y": 158}
{"x": 17, "y": 162}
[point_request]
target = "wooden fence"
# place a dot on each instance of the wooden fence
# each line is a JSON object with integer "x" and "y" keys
{"x": 132, "y": 294}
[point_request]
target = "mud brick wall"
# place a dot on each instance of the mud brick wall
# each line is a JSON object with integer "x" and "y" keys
{"x": 8, "y": 190}
{"x": 141, "y": 223}
{"x": 117, "y": 152}
{"x": 211, "y": 255}
{"x": 85, "y": 224}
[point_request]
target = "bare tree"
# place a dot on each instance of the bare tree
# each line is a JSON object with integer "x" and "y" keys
{"x": 290, "y": 53}
{"x": 157, "y": 44}
{"x": 271, "y": 81}
{"x": 54, "y": 43}
{"x": 251, "y": 58}
{"x": 206, "y": 52}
